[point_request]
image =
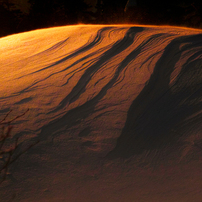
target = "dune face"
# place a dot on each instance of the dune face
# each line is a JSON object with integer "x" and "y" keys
{"x": 163, "y": 107}
{"x": 102, "y": 93}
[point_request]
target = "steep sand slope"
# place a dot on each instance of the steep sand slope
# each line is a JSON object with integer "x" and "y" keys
{"x": 117, "y": 111}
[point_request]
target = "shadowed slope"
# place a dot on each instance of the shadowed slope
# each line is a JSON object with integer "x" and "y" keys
{"x": 162, "y": 107}
{"x": 96, "y": 91}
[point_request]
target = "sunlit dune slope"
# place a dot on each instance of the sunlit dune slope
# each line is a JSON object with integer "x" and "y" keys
{"x": 117, "y": 111}
{"x": 141, "y": 85}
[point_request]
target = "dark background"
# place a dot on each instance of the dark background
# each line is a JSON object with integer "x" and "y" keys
{"x": 19, "y": 16}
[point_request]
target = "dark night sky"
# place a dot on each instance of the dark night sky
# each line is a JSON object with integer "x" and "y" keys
{"x": 24, "y": 15}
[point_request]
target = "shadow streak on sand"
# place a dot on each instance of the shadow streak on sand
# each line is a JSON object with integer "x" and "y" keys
{"x": 74, "y": 116}
{"x": 117, "y": 48}
{"x": 161, "y": 107}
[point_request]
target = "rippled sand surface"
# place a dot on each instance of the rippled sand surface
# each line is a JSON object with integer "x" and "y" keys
{"x": 117, "y": 110}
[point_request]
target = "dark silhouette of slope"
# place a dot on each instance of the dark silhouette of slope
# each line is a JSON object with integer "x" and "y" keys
{"x": 160, "y": 108}
{"x": 116, "y": 48}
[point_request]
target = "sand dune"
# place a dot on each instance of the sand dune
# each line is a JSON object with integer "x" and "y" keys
{"x": 117, "y": 110}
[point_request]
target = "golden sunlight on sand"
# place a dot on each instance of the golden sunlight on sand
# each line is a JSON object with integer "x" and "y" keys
{"x": 116, "y": 110}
